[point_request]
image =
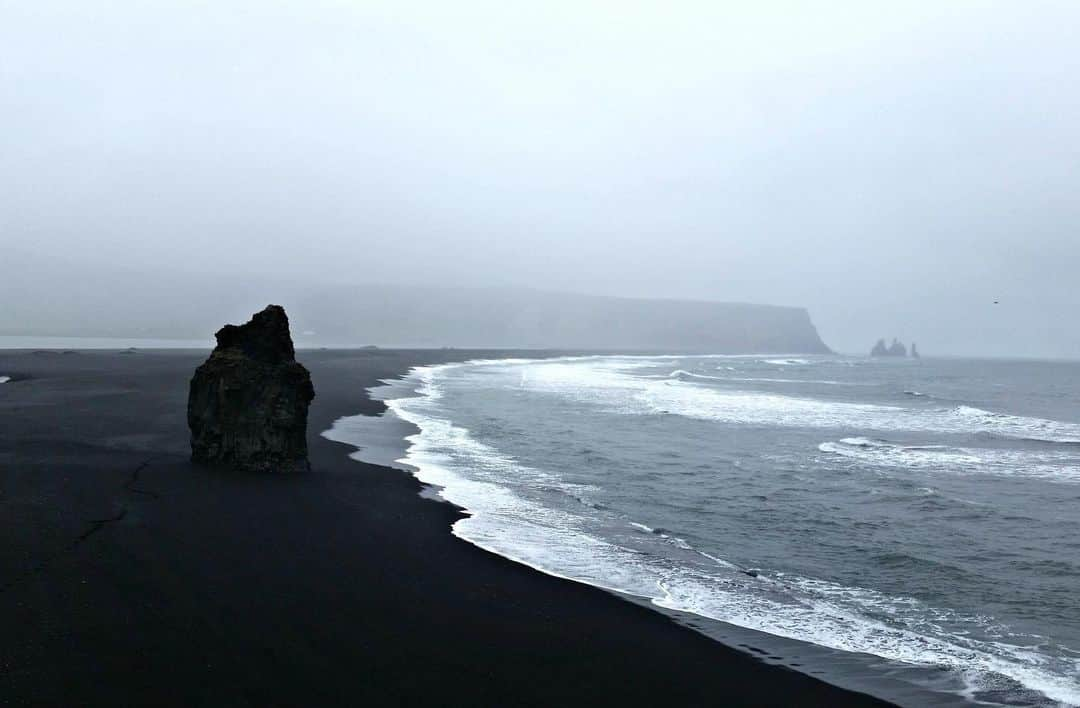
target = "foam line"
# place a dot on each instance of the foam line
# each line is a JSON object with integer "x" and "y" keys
{"x": 473, "y": 475}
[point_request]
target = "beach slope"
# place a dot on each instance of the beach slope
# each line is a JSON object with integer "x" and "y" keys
{"x": 131, "y": 577}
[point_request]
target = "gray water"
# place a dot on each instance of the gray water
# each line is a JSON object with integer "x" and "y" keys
{"x": 925, "y": 515}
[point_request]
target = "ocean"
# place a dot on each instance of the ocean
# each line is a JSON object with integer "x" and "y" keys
{"x": 908, "y": 528}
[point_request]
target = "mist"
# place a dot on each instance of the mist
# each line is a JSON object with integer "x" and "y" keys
{"x": 896, "y": 169}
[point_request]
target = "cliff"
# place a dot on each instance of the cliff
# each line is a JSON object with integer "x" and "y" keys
{"x": 129, "y": 303}
{"x": 435, "y": 317}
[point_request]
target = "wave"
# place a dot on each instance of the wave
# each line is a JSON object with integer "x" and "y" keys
{"x": 824, "y": 382}
{"x": 687, "y": 375}
{"x": 684, "y": 374}
{"x": 560, "y": 542}
{"x": 788, "y": 362}
{"x": 1053, "y": 466}
{"x": 606, "y": 382}
{"x": 1015, "y": 427}
{"x": 4, "y": 379}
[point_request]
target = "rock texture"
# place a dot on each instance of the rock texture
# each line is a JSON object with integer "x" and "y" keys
{"x": 248, "y": 404}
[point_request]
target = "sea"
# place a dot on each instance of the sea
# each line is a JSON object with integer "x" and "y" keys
{"x": 909, "y": 528}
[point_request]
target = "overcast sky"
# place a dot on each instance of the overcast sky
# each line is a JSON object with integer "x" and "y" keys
{"x": 895, "y": 167}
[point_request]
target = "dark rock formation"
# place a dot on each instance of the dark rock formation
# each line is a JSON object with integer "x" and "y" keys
{"x": 895, "y": 349}
{"x": 248, "y": 404}
{"x": 915, "y": 351}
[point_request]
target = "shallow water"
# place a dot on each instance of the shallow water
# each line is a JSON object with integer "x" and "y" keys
{"x": 927, "y": 513}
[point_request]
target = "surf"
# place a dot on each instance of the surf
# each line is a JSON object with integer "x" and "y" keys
{"x": 513, "y": 505}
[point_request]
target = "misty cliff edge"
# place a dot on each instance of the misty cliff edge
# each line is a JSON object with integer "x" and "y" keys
{"x": 434, "y": 317}
{"x": 120, "y": 303}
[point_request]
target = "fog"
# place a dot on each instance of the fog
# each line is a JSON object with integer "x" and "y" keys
{"x": 895, "y": 168}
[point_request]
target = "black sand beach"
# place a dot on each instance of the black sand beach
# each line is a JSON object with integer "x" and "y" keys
{"x": 130, "y": 577}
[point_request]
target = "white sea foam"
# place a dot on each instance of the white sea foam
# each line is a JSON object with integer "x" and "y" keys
{"x": 1059, "y": 466}
{"x": 762, "y": 379}
{"x": 787, "y": 362}
{"x": 4, "y": 379}
{"x": 473, "y": 475}
{"x": 689, "y": 375}
{"x": 604, "y": 381}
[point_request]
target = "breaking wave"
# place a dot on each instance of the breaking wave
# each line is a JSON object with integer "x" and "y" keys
{"x": 564, "y": 543}
{"x": 605, "y": 383}
{"x": 511, "y": 510}
{"x": 1053, "y": 466}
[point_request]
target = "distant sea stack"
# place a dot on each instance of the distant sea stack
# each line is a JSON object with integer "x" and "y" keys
{"x": 248, "y": 403}
{"x": 896, "y": 349}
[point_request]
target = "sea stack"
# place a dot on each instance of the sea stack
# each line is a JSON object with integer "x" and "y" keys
{"x": 248, "y": 404}
{"x": 895, "y": 349}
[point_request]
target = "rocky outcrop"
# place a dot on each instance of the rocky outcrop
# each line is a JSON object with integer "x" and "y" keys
{"x": 248, "y": 403}
{"x": 895, "y": 349}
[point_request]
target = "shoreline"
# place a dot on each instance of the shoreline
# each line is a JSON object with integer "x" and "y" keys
{"x": 388, "y": 440}
{"x": 133, "y": 577}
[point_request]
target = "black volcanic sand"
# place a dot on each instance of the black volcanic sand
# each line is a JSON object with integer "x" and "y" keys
{"x": 130, "y": 577}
